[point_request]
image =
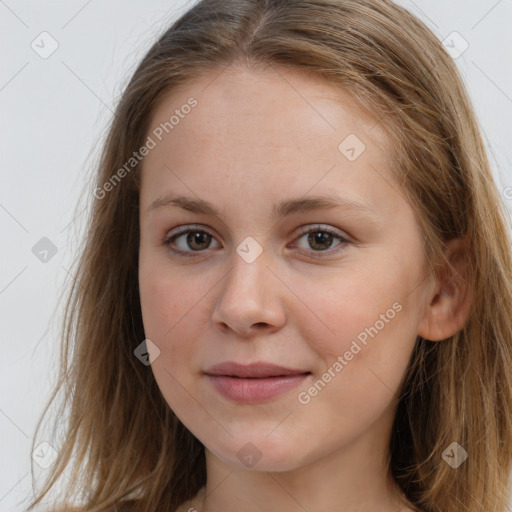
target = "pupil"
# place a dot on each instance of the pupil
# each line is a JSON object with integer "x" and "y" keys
{"x": 315, "y": 239}
{"x": 319, "y": 237}
{"x": 197, "y": 236}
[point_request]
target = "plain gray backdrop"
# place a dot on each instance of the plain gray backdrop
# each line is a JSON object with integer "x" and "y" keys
{"x": 56, "y": 102}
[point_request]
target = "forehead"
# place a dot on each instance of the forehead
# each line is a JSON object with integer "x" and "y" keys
{"x": 279, "y": 97}
{"x": 250, "y": 128}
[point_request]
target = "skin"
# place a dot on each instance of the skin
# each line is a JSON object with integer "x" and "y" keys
{"x": 255, "y": 139}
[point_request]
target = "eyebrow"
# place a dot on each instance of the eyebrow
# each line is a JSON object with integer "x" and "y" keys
{"x": 283, "y": 209}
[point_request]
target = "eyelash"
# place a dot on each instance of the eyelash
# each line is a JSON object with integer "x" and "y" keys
{"x": 197, "y": 229}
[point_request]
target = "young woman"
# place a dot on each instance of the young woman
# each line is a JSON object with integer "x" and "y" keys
{"x": 295, "y": 291}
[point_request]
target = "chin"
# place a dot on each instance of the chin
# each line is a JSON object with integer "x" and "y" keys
{"x": 257, "y": 453}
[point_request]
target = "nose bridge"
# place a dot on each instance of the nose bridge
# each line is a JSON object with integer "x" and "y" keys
{"x": 246, "y": 279}
{"x": 247, "y": 296}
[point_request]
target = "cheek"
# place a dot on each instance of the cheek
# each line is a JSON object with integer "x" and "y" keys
{"x": 160, "y": 303}
{"x": 364, "y": 353}
{"x": 367, "y": 317}
{"x": 167, "y": 308}
{"x": 335, "y": 309}
{"x": 165, "y": 296}
{"x": 164, "y": 301}
{"x": 174, "y": 313}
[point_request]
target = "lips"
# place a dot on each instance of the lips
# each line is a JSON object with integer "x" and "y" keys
{"x": 254, "y": 370}
{"x": 257, "y": 382}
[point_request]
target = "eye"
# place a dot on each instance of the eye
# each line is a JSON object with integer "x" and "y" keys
{"x": 196, "y": 240}
{"x": 320, "y": 239}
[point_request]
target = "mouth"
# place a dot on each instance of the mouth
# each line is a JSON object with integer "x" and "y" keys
{"x": 253, "y": 370}
{"x": 257, "y": 382}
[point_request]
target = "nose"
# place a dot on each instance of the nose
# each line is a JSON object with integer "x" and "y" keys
{"x": 251, "y": 299}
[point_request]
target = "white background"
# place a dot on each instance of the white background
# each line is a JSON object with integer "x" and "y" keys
{"x": 54, "y": 115}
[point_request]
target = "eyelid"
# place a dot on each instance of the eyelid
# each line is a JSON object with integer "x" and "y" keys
{"x": 187, "y": 227}
{"x": 181, "y": 230}
{"x": 335, "y": 232}
{"x": 304, "y": 229}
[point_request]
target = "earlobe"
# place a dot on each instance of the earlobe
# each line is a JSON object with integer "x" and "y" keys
{"x": 449, "y": 304}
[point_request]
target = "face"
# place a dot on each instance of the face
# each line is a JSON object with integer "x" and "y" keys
{"x": 268, "y": 273}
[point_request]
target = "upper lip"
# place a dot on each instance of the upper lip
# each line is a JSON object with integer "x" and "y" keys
{"x": 260, "y": 369}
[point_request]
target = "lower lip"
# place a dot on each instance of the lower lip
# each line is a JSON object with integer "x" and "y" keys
{"x": 257, "y": 389}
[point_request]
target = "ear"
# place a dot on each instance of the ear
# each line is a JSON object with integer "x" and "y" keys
{"x": 449, "y": 304}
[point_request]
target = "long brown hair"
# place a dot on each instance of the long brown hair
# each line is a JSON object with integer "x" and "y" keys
{"x": 121, "y": 439}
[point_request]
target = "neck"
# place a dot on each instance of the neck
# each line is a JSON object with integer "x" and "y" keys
{"x": 348, "y": 478}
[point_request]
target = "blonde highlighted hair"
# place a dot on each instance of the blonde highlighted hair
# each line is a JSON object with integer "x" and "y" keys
{"x": 122, "y": 443}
